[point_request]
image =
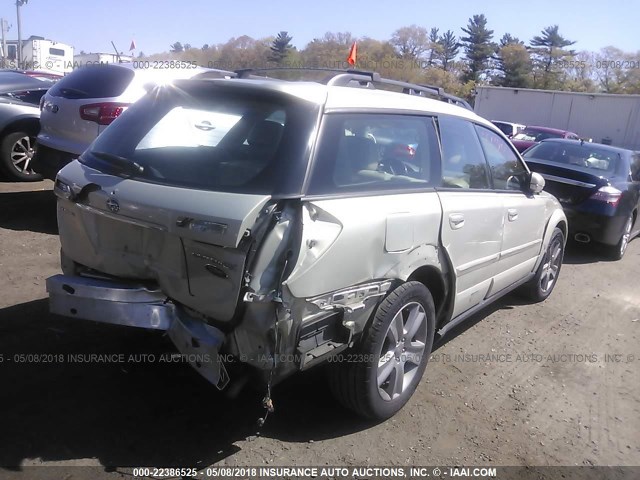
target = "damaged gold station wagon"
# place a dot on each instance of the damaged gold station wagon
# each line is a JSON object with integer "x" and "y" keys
{"x": 280, "y": 224}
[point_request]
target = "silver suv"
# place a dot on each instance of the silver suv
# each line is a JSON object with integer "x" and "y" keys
{"x": 84, "y": 103}
{"x": 281, "y": 224}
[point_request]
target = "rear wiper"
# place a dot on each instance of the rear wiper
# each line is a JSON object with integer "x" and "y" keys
{"x": 118, "y": 160}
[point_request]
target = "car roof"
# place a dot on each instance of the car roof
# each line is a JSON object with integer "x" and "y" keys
{"x": 600, "y": 146}
{"x": 353, "y": 98}
{"x": 549, "y": 129}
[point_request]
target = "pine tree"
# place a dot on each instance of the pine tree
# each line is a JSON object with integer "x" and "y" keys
{"x": 280, "y": 47}
{"x": 548, "y": 48}
{"x": 477, "y": 46}
{"x": 449, "y": 48}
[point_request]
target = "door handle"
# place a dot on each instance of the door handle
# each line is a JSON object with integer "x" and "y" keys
{"x": 456, "y": 220}
{"x": 512, "y": 214}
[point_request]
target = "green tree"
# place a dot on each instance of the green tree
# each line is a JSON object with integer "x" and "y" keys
{"x": 329, "y": 51}
{"x": 434, "y": 45}
{"x": 508, "y": 39}
{"x": 448, "y": 50}
{"x": 280, "y": 47}
{"x": 514, "y": 65}
{"x": 478, "y": 47}
{"x": 549, "y": 55}
{"x": 176, "y": 47}
{"x": 411, "y": 42}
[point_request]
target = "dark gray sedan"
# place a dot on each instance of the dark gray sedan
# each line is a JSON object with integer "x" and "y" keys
{"x": 598, "y": 186}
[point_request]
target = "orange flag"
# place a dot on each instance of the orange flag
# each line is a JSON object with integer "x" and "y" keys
{"x": 352, "y": 54}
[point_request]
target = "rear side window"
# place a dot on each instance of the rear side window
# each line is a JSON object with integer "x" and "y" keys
{"x": 463, "y": 162}
{"x": 508, "y": 172}
{"x": 375, "y": 152}
{"x": 93, "y": 82}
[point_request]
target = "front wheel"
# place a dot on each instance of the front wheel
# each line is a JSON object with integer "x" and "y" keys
{"x": 16, "y": 154}
{"x": 546, "y": 277}
{"x": 378, "y": 377}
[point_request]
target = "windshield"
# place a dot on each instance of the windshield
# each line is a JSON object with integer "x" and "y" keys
{"x": 582, "y": 155}
{"x": 533, "y": 135}
{"x": 201, "y": 135}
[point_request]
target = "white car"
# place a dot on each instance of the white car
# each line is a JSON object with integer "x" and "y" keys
{"x": 510, "y": 129}
{"x": 277, "y": 224}
{"x": 84, "y": 103}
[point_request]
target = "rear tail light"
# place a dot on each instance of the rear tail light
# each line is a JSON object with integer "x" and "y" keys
{"x": 608, "y": 194}
{"x": 102, "y": 113}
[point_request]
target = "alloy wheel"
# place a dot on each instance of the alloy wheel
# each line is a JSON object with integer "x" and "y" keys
{"x": 551, "y": 266}
{"x": 624, "y": 241}
{"x": 21, "y": 155}
{"x": 402, "y": 351}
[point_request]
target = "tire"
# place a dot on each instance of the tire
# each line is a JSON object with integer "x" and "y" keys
{"x": 398, "y": 364}
{"x": 16, "y": 153}
{"x": 617, "y": 251}
{"x": 546, "y": 277}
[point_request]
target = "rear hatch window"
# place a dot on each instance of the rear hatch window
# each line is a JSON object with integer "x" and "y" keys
{"x": 206, "y": 135}
{"x": 585, "y": 156}
{"x": 103, "y": 81}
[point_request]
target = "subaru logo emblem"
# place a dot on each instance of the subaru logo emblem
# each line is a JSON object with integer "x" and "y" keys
{"x": 113, "y": 205}
{"x": 55, "y": 108}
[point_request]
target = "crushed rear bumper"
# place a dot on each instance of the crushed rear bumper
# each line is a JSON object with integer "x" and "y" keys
{"x": 135, "y": 305}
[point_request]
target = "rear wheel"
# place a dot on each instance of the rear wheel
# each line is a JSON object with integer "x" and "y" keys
{"x": 618, "y": 250}
{"x": 542, "y": 284}
{"x": 377, "y": 378}
{"x": 16, "y": 154}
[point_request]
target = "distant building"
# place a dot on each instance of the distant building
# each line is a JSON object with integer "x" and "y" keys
{"x": 606, "y": 118}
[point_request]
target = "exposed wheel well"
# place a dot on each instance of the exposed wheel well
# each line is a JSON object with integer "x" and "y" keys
{"x": 433, "y": 279}
{"x": 563, "y": 226}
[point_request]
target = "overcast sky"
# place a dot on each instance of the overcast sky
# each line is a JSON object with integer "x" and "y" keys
{"x": 155, "y": 24}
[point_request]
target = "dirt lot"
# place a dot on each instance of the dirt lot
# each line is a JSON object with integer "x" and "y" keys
{"x": 535, "y": 388}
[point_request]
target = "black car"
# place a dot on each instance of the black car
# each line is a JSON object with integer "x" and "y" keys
{"x": 598, "y": 186}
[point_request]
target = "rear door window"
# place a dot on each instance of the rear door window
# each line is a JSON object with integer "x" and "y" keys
{"x": 375, "y": 152}
{"x": 103, "y": 81}
{"x": 463, "y": 162}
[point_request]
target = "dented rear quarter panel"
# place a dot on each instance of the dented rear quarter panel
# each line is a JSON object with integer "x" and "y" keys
{"x": 349, "y": 241}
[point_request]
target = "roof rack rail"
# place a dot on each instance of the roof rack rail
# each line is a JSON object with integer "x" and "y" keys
{"x": 362, "y": 78}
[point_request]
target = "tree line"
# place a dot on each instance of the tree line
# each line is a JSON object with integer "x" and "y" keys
{"x": 431, "y": 56}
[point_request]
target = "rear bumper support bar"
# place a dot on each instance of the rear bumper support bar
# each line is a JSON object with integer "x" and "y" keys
{"x": 135, "y": 305}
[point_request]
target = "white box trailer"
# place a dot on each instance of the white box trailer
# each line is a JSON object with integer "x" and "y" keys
{"x": 605, "y": 118}
{"x": 39, "y": 54}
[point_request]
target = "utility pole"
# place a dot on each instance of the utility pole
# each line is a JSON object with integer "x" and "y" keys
{"x": 5, "y": 27}
{"x": 19, "y": 3}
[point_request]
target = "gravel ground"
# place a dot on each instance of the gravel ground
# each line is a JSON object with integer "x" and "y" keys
{"x": 555, "y": 383}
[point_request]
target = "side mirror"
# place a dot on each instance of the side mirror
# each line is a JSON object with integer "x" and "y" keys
{"x": 536, "y": 183}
